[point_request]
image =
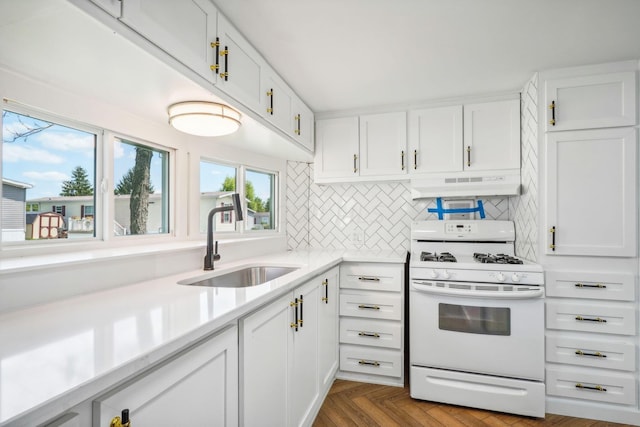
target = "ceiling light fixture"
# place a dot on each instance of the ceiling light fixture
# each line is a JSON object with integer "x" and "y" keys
{"x": 204, "y": 118}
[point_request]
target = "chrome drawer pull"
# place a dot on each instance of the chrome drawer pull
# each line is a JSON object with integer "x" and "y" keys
{"x": 369, "y": 362}
{"x": 596, "y": 354}
{"x": 369, "y": 307}
{"x": 591, "y": 319}
{"x": 587, "y": 387}
{"x": 369, "y": 279}
{"x": 582, "y": 285}
{"x": 369, "y": 334}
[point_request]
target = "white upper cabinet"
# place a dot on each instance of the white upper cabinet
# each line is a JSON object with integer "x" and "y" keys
{"x": 587, "y": 102}
{"x": 492, "y": 136}
{"x": 383, "y": 144}
{"x": 435, "y": 140}
{"x": 337, "y": 148}
{"x": 241, "y": 67}
{"x": 591, "y": 192}
{"x": 185, "y": 29}
{"x": 277, "y": 102}
{"x": 368, "y": 146}
{"x": 303, "y": 124}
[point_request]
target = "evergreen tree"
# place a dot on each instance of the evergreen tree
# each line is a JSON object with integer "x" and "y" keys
{"x": 78, "y": 185}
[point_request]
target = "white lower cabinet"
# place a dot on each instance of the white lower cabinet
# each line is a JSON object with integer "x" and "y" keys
{"x": 198, "y": 387}
{"x": 288, "y": 356}
{"x": 371, "y": 323}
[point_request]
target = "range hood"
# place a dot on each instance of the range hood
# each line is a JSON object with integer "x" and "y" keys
{"x": 467, "y": 184}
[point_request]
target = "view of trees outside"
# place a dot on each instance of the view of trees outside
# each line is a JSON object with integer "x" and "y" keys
{"x": 254, "y": 202}
{"x": 78, "y": 185}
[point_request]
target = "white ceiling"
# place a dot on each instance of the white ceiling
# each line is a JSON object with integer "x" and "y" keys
{"x": 351, "y": 54}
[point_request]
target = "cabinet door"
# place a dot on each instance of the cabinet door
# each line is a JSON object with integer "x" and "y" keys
{"x": 303, "y": 378}
{"x": 278, "y": 99}
{"x": 328, "y": 328}
{"x": 587, "y": 102}
{"x": 492, "y": 135}
{"x": 337, "y": 148}
{"x": 302, "y": 124}
{"x": 264, "y": 347}
{"x": 591, "y": 192}
{"x": 383, "y": 144}
{"x": 241, "y": 67}
{"x": 435, "y": 140}
{"x": 197, "y": 388}
{"x": 184, "y": 29}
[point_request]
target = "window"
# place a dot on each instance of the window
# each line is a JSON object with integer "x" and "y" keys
{"x": 141, "y": 177}
{"x": 260, "y": 196}
{"x": 48, "y": 173}
{"x": 217, "y": 184}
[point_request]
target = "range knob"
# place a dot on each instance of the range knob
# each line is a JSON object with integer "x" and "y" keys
{"x": 500, "y": 277}
{"x": 515, "y": 277}
{"x": 445, "y": 274}
{"x": 434, "y": 274}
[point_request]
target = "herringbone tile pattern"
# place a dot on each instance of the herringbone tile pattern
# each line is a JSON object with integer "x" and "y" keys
{"x": 525, "y": 207}
{"x": 359, "y": 215}
{"x": 367, "y": 405}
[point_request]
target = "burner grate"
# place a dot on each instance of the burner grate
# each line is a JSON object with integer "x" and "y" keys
{"x": 434, "y": 257}
{"x": 496, "y": 259}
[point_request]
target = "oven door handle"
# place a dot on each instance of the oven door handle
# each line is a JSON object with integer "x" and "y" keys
{"x": 471, "y": 293}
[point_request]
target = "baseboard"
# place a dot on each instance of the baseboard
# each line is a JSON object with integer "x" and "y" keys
{"x": 593, "y": 410}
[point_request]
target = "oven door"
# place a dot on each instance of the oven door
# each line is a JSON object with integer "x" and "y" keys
{"x": 470, "y": 328}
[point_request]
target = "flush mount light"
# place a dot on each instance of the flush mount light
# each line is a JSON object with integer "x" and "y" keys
{"x": 204, "y": 118}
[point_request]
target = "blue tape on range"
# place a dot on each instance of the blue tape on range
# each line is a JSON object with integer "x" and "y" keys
{"x": 440, "y": 210}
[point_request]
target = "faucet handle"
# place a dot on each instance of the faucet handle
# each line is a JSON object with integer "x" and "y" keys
{"x": 216, "y": 255}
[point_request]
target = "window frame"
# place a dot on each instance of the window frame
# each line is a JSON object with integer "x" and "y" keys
{"x": 98, "y": 132}
{"x": 275, "y": 202}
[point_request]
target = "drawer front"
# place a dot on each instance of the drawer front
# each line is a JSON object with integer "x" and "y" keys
{"x": 369, "y": 360}
{"x": 592, "y": 352}
{"x": 371, "y": 305}
{"x": 600, "y": 286}
{"x": 376, "y": 333}
{"x": 602, "y": 318}
{"x": 373, "y": 277}
{"x": 602, "y": 386}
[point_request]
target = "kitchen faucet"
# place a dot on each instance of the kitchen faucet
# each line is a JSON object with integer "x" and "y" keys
{"x": 212, "y": 255}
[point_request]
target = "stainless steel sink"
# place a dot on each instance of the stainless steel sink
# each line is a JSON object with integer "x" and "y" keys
{"x": 250, "y": 276}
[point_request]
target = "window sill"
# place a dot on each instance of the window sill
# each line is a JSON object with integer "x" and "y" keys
{"x": 32, "y": 262}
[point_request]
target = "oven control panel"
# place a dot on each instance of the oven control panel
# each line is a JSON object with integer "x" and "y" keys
{"x": 461, "y": 228}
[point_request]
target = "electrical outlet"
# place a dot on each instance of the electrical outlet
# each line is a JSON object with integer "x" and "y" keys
{"x": 357, "y": 238}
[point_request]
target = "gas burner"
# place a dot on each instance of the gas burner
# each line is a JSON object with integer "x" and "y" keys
{"x": 434, "y": 257}
{"x": 496, "y": 259}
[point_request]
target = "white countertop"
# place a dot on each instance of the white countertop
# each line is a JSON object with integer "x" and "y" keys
{"x": 54, "y": 356}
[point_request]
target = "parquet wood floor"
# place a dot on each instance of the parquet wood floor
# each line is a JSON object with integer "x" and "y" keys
{"x": 367, "y": 405}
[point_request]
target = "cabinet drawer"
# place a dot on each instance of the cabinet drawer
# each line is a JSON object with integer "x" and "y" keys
{"x": 376, "y": 333}
{"x": 580, "y": 383}
{"x": 592, "y": 352}
{"x": 591, "y": 285}
{"x": 603, "y": 318}
{"x": 374, "y": 277}
{"x": 372, "y": 305}
{"x": 369, "y": 360}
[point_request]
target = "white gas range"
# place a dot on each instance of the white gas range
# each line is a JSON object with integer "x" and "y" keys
{"x": 476, "y": 318}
